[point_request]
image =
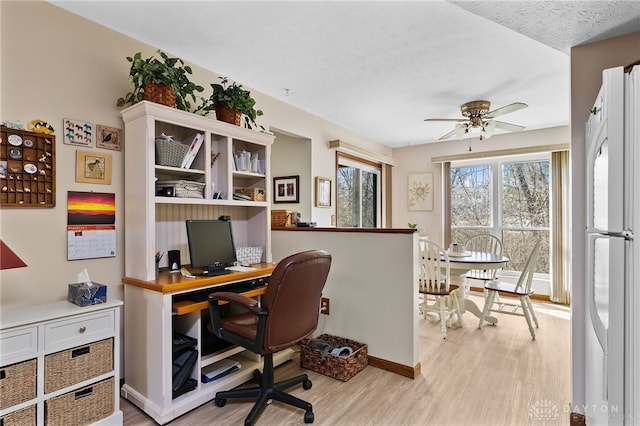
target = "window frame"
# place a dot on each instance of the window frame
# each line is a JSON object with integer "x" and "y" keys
{"x": 343, "y": 159}
{"x": 497, "y": 227}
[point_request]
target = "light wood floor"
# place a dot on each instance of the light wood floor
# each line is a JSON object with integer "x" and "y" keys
{"x": 496, "y": 375}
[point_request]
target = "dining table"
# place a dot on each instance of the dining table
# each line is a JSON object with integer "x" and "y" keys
{"x": 463, "y": 262}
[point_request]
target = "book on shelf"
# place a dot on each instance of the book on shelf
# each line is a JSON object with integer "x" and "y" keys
{"x": 194, "y": 147}
{"x": 219, "y": 369}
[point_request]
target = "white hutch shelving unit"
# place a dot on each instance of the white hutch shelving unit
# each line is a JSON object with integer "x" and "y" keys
{"x": 157, "y": 224}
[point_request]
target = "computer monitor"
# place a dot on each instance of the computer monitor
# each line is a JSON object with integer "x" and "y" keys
{"x": 211, "y": 245}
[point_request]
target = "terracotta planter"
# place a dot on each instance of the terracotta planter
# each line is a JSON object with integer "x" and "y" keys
{"x": 160, "y": 94}
{"x": 228, "y": 115}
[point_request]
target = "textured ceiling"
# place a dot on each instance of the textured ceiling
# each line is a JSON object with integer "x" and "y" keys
{"x": 380, "y": 68}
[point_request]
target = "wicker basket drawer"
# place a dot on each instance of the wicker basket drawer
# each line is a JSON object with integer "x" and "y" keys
{"x": 17, "y": 383}
{"x": 82, "y": 406}
{"x": 23, "y": 417}
{"x": 75, "y": 365}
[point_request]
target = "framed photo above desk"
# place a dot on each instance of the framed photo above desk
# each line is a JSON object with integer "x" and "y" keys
{"x": 286, "y": 189}
{"x": 323, "y": 192}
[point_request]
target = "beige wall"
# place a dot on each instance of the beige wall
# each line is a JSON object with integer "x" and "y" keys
{"x": 291, "y": 156}
{"x": 56, "y": 65}
{"x": 587, "y": 64}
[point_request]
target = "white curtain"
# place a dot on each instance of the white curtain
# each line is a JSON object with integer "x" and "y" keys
{"x": 560, "y": 238}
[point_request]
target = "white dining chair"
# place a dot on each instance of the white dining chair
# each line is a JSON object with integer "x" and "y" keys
{"x": 522, "y": 290}
{"x": 485, "y": 243}
{"x": 438, "y": 294}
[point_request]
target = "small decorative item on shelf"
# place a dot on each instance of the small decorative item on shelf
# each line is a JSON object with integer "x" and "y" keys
{"x": 180, "y": 188}
{"x": 249, "y": 255}
{"x": 159, "y": 256}
{"x": 230, "y": 102}
{"x": 39, "y": 126}
{"x": 253, "y": 194}
{"x": 163, "y": 81}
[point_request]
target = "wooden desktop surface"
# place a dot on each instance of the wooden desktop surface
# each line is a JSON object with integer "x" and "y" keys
{"x": 169, "y": 282}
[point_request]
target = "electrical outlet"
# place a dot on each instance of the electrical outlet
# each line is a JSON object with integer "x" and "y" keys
{"x": 324, "y": 305}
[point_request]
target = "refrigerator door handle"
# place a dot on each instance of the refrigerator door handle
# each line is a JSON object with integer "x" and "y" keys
{"x": 605, "y": 378}
{"x": 596, "y": 322}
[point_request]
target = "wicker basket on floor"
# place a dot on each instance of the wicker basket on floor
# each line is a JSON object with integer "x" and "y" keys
{"x": 338, "y": 367}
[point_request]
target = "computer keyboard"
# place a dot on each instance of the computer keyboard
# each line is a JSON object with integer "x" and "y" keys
{"x": 215, "y": 273}
{"x": 239, "y": 287}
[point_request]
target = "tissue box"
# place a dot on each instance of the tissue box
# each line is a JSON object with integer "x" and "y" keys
{"x": 83, "y": 295}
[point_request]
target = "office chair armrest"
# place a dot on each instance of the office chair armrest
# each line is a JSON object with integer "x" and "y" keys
{"x": 246, "y": 302}
{"x": 227, "y": 296}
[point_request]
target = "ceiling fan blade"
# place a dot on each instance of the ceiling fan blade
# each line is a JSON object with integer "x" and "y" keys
{"x": 459, "y": 120}
{"x": 448, "y": 135}
{"x": 506, "y": 109}
{"x": 508, "y": 126}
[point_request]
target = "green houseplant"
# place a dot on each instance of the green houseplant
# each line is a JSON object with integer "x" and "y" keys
{"x": 164, "y": 81}
{"x": 231, "y": 101}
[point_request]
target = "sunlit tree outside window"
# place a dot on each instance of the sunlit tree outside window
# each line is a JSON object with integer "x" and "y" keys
{"x": 358, "y": 194}
{"x": 506, "y": 198}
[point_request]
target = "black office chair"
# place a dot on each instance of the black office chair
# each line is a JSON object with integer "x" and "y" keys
{"x": 288, "y": 313}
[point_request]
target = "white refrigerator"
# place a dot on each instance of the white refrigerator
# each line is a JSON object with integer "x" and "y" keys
{"x": 612, "y": 352}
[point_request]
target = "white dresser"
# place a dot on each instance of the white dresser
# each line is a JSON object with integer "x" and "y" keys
{"x": 60, "y": 364}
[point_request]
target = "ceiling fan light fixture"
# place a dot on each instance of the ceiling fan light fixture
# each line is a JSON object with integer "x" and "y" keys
{"x": 461, "y": 130}
{"x": 478, "y": 115}
{"x": 488, "y": 128}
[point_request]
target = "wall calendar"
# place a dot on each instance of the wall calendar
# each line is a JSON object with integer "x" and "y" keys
{"x": 91, "y": 225}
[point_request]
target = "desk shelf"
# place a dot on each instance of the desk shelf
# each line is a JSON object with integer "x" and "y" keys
{"x": 154, "y": 311}
{"x": 183, "y": 307}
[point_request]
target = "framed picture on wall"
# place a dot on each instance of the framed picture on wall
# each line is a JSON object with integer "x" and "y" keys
{"x": 93, "y": 167}
{"x": 420, "y": 191}
{"x": 323, "y": 192}
{"x": 78, "y": 132}
{"x": 108, "y": 138}
{"x": 286, "y": 189}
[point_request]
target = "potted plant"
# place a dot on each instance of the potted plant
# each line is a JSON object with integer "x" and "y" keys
{"x": 164, "y": 81}
{"x": 231, "y": 101}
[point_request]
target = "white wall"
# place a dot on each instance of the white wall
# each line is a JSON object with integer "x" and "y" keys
{"x": 372, "y": 287}
{"x": 57, "y": 65}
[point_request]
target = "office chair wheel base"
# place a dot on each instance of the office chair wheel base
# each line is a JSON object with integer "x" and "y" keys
{"x": 308, "y": 417}
{"x": 306, "y": 385}
{"x": 220, "y": 402}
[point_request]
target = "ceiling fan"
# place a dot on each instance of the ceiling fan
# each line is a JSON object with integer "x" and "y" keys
{"x": 478, "y": 115}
